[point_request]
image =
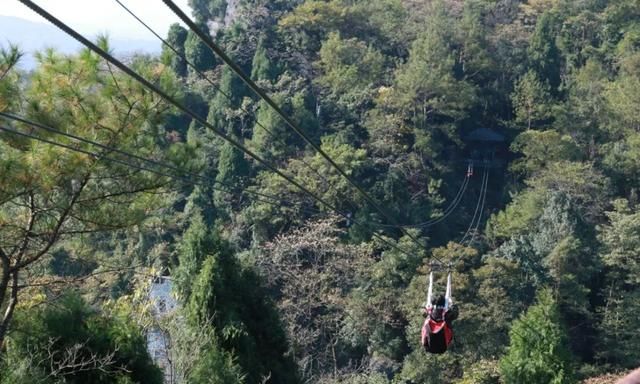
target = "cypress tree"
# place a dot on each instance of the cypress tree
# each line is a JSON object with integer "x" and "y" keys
{"x": 197, "y": 52}
{"x": 537, "y": 353}
{"x": 262, "y": 69}
{"x": 176, "y": 37}
{"x": 229, "y": 298}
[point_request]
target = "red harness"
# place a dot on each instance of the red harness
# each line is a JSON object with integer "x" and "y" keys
{"x": 436, "y": 335}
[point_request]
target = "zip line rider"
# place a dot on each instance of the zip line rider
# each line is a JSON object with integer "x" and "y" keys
{"x": 439, "y": 312}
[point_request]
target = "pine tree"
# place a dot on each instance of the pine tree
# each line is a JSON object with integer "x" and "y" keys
{"x": 427, "y": 86}
{"x": 271, "y": 145}
{"x": 191, "y": 253}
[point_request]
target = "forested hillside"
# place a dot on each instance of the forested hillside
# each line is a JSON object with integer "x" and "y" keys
{"x": 498, "y": 139}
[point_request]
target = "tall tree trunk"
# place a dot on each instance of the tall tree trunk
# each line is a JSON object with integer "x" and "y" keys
{"x": 5, "y": 264}
{"x": 11, "y": 306}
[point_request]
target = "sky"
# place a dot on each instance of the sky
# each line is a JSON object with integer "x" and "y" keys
{"x": 99, "y": 16}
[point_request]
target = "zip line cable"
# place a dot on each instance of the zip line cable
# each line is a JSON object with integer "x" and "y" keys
{"x": 131, "y": 155}
{"x": 484, "y": 200}
{"x": 216, "y": 86}
{"x": 182, "y": 57}
{"x": 475, "y": 220}
{"x": 448, "y": 211}
{"x": 165, "y": 96}
{"x": 263, "y": 95}
{"x": 84, "y": 41}
{"x": 264, "y": 199}
{"x": 114, "y": 160}
{"x": 483, "y": 191}
{"x": 184, "y": 179}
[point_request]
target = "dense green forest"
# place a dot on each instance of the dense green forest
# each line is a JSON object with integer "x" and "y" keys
{"x": 499, "y": 137}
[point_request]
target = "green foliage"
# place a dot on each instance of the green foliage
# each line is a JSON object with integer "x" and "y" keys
{"x": 272, "y": 138}
{"x": 262, "y": 67}
{"x": 223, "y": 106}
{"x": 390, "y": 89}
{"x": 176, "y": 37}
{"x": 586, "y": 185}
{"x": 438, "y": 369}
{"x": 517, "y": 217}
{"x": 197, "y": 52}
{"x": 427, "y": 86}
{"x": 225, "y": 296}
{"x": 482, "y": 372}
{"x": 82, "y": 194}
{"x": 620, "y": 239}
{"x": 585, "y": 114}
{"x": 543, "y": 52}
{"x": 351, "y": 69}
{"x": 619, "y": 345}
{"x": 232, "y": 168}
{"x": 315, "y": 19}
{"x": 205, "y": 10}
{"x": 537, "y": 353}
{"x": 622, "y": 94}
{"x": 216, "y": 367}
{"x": 499, "y": 291}
{"x": 9, "y": 58}
{"x": 540, "y": 148}
{"x": 532, "y": 101}
{"x": 73, "y": 343}
{"x": 191, "y": 254}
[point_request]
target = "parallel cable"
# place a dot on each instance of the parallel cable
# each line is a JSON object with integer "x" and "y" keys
{"x": 216, "y": 86}
{"x": 122, "y": 162}
{"x": 170, "y": 99}
{"x": 484, "y": 200}
{"x": 446, "y": 213}
{"x": 449, "y": 210}
{"x": 293, "y": 125}
{"x": 136, "y": 157}
{"x": 266, "y": 199}
{"x": 481, "y": 199}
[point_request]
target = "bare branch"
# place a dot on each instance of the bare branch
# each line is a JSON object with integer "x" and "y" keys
{"x": 74, "y": 359}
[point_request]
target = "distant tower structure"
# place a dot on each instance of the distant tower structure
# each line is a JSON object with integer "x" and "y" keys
{"x": 485, "y": 148}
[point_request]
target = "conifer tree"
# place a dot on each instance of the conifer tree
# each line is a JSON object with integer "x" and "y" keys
{"x": 232, "y": 168}
{"x": 197, "y": 52}
{"x": 537, "y": 352}
{"x": 543, "y": 51}
{"x": 228, "y": 297}
{"x": 531, "y": 100}
{"x": 620, "y": 243}
{"x": 225, "y": 102}
{"x": 271, "y": 145}
{"x": 177, "y": 36}
{"x": 193, "y": 244}
{"x": 262, "y": 67}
